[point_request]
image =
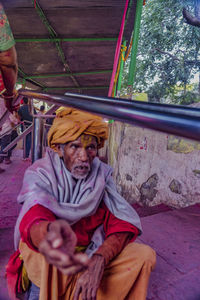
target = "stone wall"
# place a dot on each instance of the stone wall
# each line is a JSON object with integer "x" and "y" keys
{"x": 152, "y": 168}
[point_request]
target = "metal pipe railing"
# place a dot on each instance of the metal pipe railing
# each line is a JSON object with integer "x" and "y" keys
{"x": 18, "y": 138}
{"x": 37, "y": 138}
{"x": 10, "y": 130}
{"x": 177, "y": 120}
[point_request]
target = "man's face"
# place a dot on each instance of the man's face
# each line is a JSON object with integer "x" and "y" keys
{"x": 79, "y": 154}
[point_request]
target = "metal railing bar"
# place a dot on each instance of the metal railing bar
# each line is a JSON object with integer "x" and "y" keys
{"x": 47, "y": 125}
{"x": 159, "y": 107}
{"x": 13, "y": 128}
{"x": 44, "y": 116}
{"x": 156, "y": 107}
{"x": 52, "y": 109}
{"x": 181, "y": 121}
{"x": 37, "y": 141}
{"x": 18, "y": 138}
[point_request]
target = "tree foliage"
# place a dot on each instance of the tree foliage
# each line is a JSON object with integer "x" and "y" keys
{"x": 168, "y": 53}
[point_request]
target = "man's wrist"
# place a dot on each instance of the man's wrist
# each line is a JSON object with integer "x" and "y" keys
{"x": 9, "y": 95}
{"x": 6, "y": 95}
{"x": 100, "y": 257}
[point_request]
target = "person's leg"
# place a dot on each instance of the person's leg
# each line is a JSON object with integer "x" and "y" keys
{"x": 127, "y": 276}
{"x": 5, "y": 140}
{"x": 9, "y": 151}
{"x": 1, "y": 157}
{"x": 14, "y": 135}
{"x": 28, "y": 144}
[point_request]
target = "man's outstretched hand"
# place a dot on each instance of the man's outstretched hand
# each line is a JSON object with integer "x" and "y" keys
{"x": 58, "y": 248}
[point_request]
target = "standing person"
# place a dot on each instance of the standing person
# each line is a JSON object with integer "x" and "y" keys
{"x": 10, "y": 121}
{"x": 9, "y": 134}
{"x": 24, "y": 115}
{"x": 69, "y": 199}
{"x": 8, "y": 60}
{"x": 41, "y": 111}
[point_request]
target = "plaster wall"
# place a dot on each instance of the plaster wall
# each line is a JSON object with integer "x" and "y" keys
{"x": 153, "y": 168}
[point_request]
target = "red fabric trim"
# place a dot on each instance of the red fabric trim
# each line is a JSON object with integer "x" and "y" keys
{"x": 84, "y": 228}
{"x": 13, "y": 275}
{"x": 2, "y": 86}
{"x": 114, "y": 225}
{"x": 36, "y": 214}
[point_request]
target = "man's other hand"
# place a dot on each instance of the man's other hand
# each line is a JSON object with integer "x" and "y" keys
{"x": 88, "y": 283}
{"x": 58, "y": 248}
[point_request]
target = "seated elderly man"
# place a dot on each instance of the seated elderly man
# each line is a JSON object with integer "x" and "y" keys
{"x": 75, "y": 232}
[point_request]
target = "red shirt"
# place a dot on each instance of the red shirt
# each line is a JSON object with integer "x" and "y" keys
{"x": 84, "y": 228}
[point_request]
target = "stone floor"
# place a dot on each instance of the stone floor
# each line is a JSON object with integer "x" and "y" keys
{"x": 10, "y": 184}
{"x": 174, "y": 234}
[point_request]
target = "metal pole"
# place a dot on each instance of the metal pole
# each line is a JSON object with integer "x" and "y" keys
{"x": 178, "y": 120}
{"x": 119, "y": 84}
{"x": 24, "y": 143}
{"x": 37, "y": 138}
{"x": 136, "y": 33}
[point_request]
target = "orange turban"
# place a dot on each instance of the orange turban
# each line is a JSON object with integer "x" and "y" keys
{"x": 70, "y": 123}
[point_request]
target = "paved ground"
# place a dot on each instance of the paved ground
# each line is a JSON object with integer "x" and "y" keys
{"x": 10, "y": 184}
{"x": 174, "y": 234}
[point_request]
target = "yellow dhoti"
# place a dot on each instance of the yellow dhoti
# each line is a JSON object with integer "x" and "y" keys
{"x": 126, "y": 277}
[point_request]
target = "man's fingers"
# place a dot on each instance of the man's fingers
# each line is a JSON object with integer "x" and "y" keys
{"x": 81, "y": 258}
{"x": 70, "y": 265}
{"x": 71, "y": 270}
{"x": 61, "y": 258}
{"x": 54, "y": 238}
{"x": 77, "y": 292}
{"x": 84, "y": 293}
{"x": 94, "y": 295}
{"x": 55, "y": 256}
{"x": 61, "y": 235}
{"x": 90, "y": 293}
{"x": 69, "y": 235}
{"x": 44, "y": 247}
